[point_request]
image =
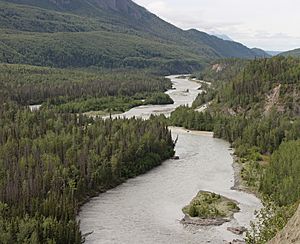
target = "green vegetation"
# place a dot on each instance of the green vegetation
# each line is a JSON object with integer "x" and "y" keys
{"x": 269, "y": 221}
{"x": 99, "y": 48}
{"x": 218, "y": 73}
{"x": 292, "y": 53}
{"x": 280, "y": 183}
{"x": 257, "y": 110}
{"x": 256, "y": 87}
{"x": 211, "y": 205}
{"x": 71, "y": 90}
{"x": 261, "y": 112}
{"x": 54, "y": 159}
{"x": 185, "y": 117}
{"x": 50, "y": 163}
{"x": 104, "y": 104}
{"x": 113, "y": 104}
{"x": 103, "y": 34}
{"x": 259, "y": 79}
{"x": 281, "y": 179}
{"x": 159, "y": 98}
{"x": 222, "y": 70}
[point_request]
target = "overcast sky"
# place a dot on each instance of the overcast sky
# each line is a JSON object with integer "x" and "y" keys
{"x": 267, "y": 24}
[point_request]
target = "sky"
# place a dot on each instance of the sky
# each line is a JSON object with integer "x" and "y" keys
{"x": 267, "y": 24}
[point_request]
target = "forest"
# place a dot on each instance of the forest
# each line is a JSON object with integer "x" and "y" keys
{"x": 112, "y": 104}
{"x": 257, "y": 111}
{"x": 54, "y": 159}
{"x": 76, "y": 57}
{"x": 82, "y": 90}
{"x": 36, "y": 34}
{"x": 52, "y": 162}
{"x": 86, "y": 33}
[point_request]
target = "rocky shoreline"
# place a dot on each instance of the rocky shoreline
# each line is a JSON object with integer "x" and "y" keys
{"x": 239, "y": 184}
{"x": 196, "y": 221}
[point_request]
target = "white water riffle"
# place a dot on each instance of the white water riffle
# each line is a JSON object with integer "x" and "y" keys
{"x": 148, "y": 208}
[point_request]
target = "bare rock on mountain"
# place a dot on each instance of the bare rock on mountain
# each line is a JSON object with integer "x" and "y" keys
{"x": 272, "y": 99}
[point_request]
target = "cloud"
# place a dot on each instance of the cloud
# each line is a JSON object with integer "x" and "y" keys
{"x": 186, "y": 18}
{"x": 158, "y": 6}
{"x": 269, "y": 24}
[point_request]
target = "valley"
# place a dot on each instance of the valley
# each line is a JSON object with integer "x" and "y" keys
{"x": 101, "y": 143}
{"x": 152, "y": 203}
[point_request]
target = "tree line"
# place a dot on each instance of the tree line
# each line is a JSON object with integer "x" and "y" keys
{"x": 27, "y": 84}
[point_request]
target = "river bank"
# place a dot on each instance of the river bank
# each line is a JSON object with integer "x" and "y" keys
{"x": 239, "y": 183}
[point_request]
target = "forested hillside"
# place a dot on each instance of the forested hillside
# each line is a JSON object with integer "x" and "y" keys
{"x": 266, "y": 84}
{"x": 257, "y": 109}
{"x": 256, "y": 86}
{"x": 293, "y": 53}
{"x": 104, "y": 33}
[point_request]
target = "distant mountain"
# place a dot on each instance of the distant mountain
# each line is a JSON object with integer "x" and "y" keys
{"x": 294, "y": 53}
{"x": 221, "y": 47}
{"x": 273, "y": 53}
{"x": 105, "y": 33}
{"x": 261, "y": 53}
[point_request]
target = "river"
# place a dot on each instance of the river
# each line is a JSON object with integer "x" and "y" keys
{"x": 147, "y": 209}
{"x": 179, "y": 95}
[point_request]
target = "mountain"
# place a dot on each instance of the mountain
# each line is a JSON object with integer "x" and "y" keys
{"x": 293, "y": 53}
{"x": 273, "y": 53}
{"x": 261, "y": 53}
{"x": 224, "y": 37}
{"x": 221, "y": 47}
{"x": 104, "y": 33}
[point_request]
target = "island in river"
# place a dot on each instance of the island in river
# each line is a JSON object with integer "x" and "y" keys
{"x": 209, "y": 208}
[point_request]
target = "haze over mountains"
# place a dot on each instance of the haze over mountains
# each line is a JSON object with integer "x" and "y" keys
{"x": 105, "y": 33}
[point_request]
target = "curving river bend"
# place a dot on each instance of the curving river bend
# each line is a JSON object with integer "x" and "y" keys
{"x": 147, "y": 209}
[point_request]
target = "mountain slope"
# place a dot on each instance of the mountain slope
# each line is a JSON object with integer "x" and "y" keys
{"x": 107, "y": 33}
{"x": 293, "y": 53}
{"x": 261, "y": 85}
{"x": 223, "y": 48}
{"x": 261, "y": 53}
{"x": 255, "y": 105}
